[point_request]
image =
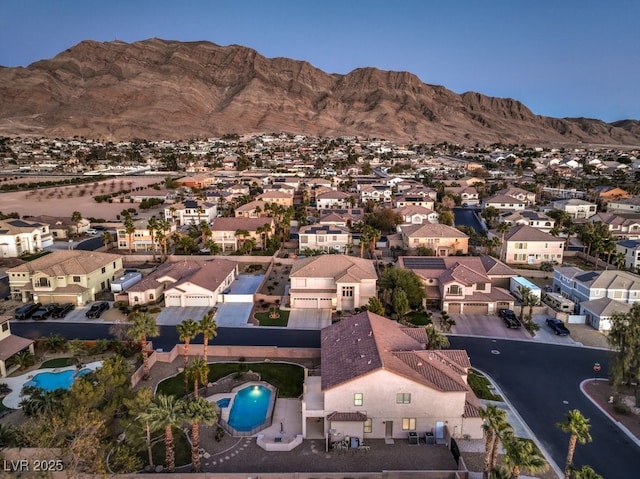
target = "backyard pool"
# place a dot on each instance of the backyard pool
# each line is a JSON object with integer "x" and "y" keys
{"x": 249, "y": 408}
{"x": 224, "y": 402}
{"x": 50, "y": 381}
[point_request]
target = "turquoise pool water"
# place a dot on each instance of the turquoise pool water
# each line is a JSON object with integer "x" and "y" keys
{"x": 224, "y": 402}
{"x": 249, "y": 408}
{"x": 50, "y": 381}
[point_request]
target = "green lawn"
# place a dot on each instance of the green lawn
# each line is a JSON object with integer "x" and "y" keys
{"x": 58, "y": 363}
{"x": 418, "y": 318}
{"x": 265, "y": 320}
{"x": 288, "y": 378}
{"x": 182, "y": 450}
{"x": 481, "y": 386}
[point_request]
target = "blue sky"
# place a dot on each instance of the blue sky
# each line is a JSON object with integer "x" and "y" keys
{"x": 561, "y": 58}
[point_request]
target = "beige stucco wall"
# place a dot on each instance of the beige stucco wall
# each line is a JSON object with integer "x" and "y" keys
{"x": 535, "y": 248}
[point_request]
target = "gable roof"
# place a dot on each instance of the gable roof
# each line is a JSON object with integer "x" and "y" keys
{"x": 528, "y": 233}
{"x": 235, "y": 224}
{"x": 63, "y": 263}
{"x": 207, "y": 274}
{"x": 336, "y": 266}
{"x": 367, "y": 342}
{"x": 432, "y": 230}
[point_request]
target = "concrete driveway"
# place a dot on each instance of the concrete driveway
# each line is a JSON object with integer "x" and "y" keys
{"x": 174, "y": 315}
{"x": 309, "y": 318}
{"x": 490, "y": 326}
{"x": 233, "y": 314}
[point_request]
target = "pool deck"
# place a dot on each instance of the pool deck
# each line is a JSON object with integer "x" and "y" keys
{"x": 12, "y": 400}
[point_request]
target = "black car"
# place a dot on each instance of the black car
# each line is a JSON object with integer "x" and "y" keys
{"x": 25, "y": 312}
{"x": 510, "y": 318}
{"x": 558, "y": 327}
{"x": 43, "y": 312}
{"x": 97, "y": 309}
{"x": 62, "y": 310}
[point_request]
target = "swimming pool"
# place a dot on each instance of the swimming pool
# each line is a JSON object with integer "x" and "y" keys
{"x": 50, "y": 381}
{"x": 224, "y": 402}
{"x": 249, "y": 408}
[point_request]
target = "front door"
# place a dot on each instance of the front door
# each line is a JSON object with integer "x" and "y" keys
{"x": 388, "y": 430}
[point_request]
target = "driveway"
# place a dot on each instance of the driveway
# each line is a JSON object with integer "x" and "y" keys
{"x": 173, "y": 315}
{"x": 487, "y": 326}
{"x": 309, "y": 318}
{"x": 233, "y": 314}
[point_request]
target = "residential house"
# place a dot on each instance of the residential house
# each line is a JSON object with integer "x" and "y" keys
{"x": 584, "y": 287}
{"x": 463, "y": 285}
{"x": 535, "y": 219}
{"x": 621, "y": 226}
{"x": 141, "y": 239}
{"x": 444, "y": 240}
{"x": 191, "y": 212}
{"x": 277, "y": 197}
{"x": 468, "y": 194}
{"x": 334, "y": 199}
{"x": 333, "y": 219}
{"x": 380, "y": 193}
{"x": 417, "y": 215}
{"x": 576, "y": 208}
{"x": 62, "y": 227}
{"x": 186, "y": 283}
{"x": 253, "y": 209}
{"x": 349, "y": 215}
{"x": 528, "y": 197}
{"x": 378, "y": 381}
{"x": 326, "y": 237}
{"x": 337, "y": 282}
{"x": 504, "y": 203}
{"x": 65, "y": 276}
{"x": 527, "y": 245}
{"x": 406, "y": 200}
{"x": 10, "y": 345}
{"x": 200, "y": 180}
{"x": 19, "y": 237}
{"x": 624, "y": 205}
{"x": 606, "y": 193}
{"x": 631, "y": 251}
{"x": 223, "y": 232}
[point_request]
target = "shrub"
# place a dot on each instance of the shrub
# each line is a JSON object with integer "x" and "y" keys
{"x": 622, "y": 408}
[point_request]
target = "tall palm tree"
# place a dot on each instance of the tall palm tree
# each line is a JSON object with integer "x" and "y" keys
{"x": 493, "y": 417}
{"x": 187, "y": 330}
{"x": 198, "y": 371}
{"x": 524, "y": 292}
{"x": 143, "y": 327}
{"x": 523, "y": 454}
{"x": 585, "y": 472}
{"x": 435, "y": 339}
{"x": 76, "y": 217}
{"x": 577, "y": 426}
{"x": 198, "y": 411}
{"x": 129, "y": 229}
{"x": 502, "y": 228}
{"x": 152, "y": 226}
{"x": 502, "y": 432}
{"x": 106, "y": 238}
{"x": 166, "y": 412}
{"x": 209, "y": 329}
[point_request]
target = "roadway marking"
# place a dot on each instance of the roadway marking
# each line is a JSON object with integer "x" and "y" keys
{"x": 495, "y": 351}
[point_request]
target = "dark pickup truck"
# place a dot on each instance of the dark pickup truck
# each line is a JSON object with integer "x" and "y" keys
{"x": 97, "y": 309}
{"x": 510, "y": 318}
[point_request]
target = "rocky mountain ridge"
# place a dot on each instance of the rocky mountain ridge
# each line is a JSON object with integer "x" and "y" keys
{"x": 159, "y": 89}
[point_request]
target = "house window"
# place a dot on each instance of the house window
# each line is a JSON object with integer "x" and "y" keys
{"x": 358, "y": 399}
{"x": 403, "y": 398}
{"x": 5, "y": 326}
{"x": 104, "y": 269}
{"x": 408, "y": 423}
{"x": 43, "y": 281}
{"x": 368, "y": 425}
{"x": 481, "y": 286}
{"x": 150, "y": 296}
{"x": 455, "y": 289}
{"x": 347, "y": 291}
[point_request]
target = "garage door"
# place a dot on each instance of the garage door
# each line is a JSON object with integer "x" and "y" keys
{"x": 324, "y": 303}
{"x": 172, "y": 300}
{"x": 454, "y": 308}
{"x": 476, "y": 308}
{"x": 197, "y": 300}
{"x": 305, "y": 303}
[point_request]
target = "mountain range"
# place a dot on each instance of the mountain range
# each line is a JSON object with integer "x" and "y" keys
{"x": 160, "y": 89}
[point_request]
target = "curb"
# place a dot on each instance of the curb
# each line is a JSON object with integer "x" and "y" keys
{"x": 617, "y": 423}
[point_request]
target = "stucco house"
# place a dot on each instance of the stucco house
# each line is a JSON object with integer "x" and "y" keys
{"x": 141, "y": 239}
{"x": 185, "y": 283}
{"x": 535, "y": 219}
{"x": 378, "y": 381}
{"x": 18, "y": 237}
{"x": 65, "y": 277}
{"x": 631, "y": 251}
{"x": 529, "y": 197}
{"x": 277, "y": 197}
{"x": 328, "y": 281}
{"x": 504, "y": 203}
{"x": 327, "y": 237}
{"x": 333, "y": 199}
{"x": 417, "y": 215}
{"x": 10, "y": 344}
{"x": 62, "y": 227}
{"x": 444, "y": 240}
{"x": 576, "y": 208}
{"x": 527, "y": 245}
{"x": 223, "y": 232}
{"x": 191, "y": 212}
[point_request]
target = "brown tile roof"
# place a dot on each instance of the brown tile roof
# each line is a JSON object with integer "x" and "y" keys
{"x": 347, "y": 416}
{"x": 470, "y": 410}
{"x": 11, "y": 345}
{"x": 337, "y": 266}
{"x": 429, "y": 230}
{"x": 235, "y": 224}
{"x": 367, "y": 342}
{"x": 465, "y": 275}
{"x": 62, "y": 263}
{"x": 335, "y": 195}
{"x": 208, "y": 274}
{"x": 527, "y": 233}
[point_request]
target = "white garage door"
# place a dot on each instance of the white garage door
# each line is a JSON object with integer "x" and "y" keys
{"x": 172, "y": 300}
{"x": 305, "y": 303}
{"x": 196, "y": 300}
{"x": 324, "y": 303}
{"x": 476, "y": 308}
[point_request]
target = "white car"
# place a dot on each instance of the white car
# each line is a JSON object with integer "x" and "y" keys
{"x": 91, "y": 231}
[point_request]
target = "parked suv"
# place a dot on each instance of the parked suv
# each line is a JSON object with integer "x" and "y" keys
{"x": 25, "y": 312}
{"x": 62, "y": 310}
{"x": 558, "y": 327}
{"x": 510, "y": 318}
{"x": 43, "y": 312}
{"x": 97, "y": 309}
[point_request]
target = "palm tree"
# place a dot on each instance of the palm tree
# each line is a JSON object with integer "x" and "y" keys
{"x": 502, "y": 229}
{"x": 130, "y": 229}
{"x": 23, "y": 359}
{"x": 524, "y": 292}
{"x": 106, "y": 238}
{"x": 198, "y": 371}
{"x": 76, "y": 217}
{"x": 241, "y": 233}
{"x": 502, "y": 432}
{"x": 166, "y": 412}
{"x": 54, "y": 342}
{"x": 187, "y": 330}
{"x": 585, "y": 472}
{"x": 144, "y": 326}
{"x": 152, "y": 226}
{"x": 435, "y": 339}
{"x": 209, "y": 329}
{"x": 494, "y": 418}
{"x": 523, "y": 454}
{"x": 198, "y": 411}
{"x": 205, "y": 231}
{"x": 577, "y": 426}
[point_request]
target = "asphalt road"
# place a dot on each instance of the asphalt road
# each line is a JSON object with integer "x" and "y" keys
{"x": 542, "y": 382}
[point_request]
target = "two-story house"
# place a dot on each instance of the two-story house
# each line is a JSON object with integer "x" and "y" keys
{"x": 443, "y": 240}
{"x": 417, "y": 215}
{"x": 631, "y": 251}
{"x": 65, "y": 277}
{"x": 231, "y": 233}
{"x": 329, "y": 238}
{"x": 334, "y": 199}
{"x": 191, "y": 212}
{"x": 468, "y": 194}
{"x": 504, "y": 203}
{"x": 527, "y": 245}
{"x": 19, "y": 237}
{"x": 379, "y": 381}
{"x": 535, "y": 219}
{"x": 576, "y": 208}
{"x": 375, "y": 192}
{"x": 253, "y": 209}
{"x": 277, "y": 197}
{"x": 527, "y": 197}
{"x": 141, "y": 239}
{"x": 337, "y": 282}
{"x": 620, "y": 225}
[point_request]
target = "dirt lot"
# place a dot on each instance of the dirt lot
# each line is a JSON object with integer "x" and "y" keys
{"x": 64, "y": 201}
{"x": 277, "y": 280}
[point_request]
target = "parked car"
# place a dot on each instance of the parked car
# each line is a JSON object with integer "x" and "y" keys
{"x": 97, "y": 309}
{"x": 25, "y": 312}
{"x": 62, "y": 310}
{"x": 558, "y": 327}
{"x": 43, "y": 312}
{"x": 510, "y": 318}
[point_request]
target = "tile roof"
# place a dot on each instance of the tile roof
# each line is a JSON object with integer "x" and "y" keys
{"x": 606, "y": 307}
{"x": 13, "y": 227}
{"x": 367, "y": 342}
{"x": 63, "y": 262}
{"x": 235, "y": 224}
{"x": 334, "y": 266}
{"x": 530, "y": 234}
{"x": 207, "y": 274}
{"x": 13, "y": 344}
{"x": 347, "y": 416}
{"x": 429, "y": 230}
